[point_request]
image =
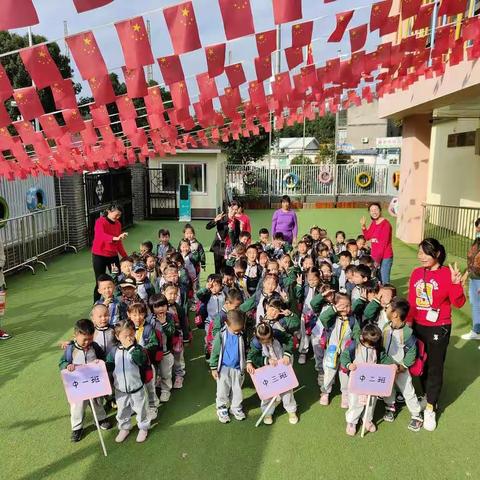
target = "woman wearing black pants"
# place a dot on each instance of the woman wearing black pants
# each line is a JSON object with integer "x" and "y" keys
{"x": 107, "y": 244}
{"x": 228, "y": 231}
{"x": 433, "y": 290}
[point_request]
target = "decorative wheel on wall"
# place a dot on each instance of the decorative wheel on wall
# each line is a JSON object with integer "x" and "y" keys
{"x": 363, "y": 179}
{"x": 249, "y": 179}
{"x": 396, "y": 179}
{"x": 4, "y": 212}
{"x": 325, "y": 177}
{"x": 290, "y": 181}
{"x": 35, "y": 199}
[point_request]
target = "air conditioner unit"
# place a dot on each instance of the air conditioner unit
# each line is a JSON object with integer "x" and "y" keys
{"x": 364, "y": 139}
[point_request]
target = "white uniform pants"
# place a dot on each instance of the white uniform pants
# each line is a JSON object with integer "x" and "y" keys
{"x": 229, "y": 388}
{"x": 128, "y": 403}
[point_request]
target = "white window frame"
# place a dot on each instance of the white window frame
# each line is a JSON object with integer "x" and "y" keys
{"x": 181, "y": 179}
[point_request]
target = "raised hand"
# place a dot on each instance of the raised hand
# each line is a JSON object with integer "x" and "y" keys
{"x": 363, "y": 222}
{"x": 456, "y": 274}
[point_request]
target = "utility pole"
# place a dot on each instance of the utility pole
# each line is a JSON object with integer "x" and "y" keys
{"x": 149, "y": 67}
{"x": 65, "y": 34}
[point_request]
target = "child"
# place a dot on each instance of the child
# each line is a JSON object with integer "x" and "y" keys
{"x": 165, "y": 324}
{"x": 376, "y": 310}
{"x": 264, "y": 239}
{"x": 400, "y": 345}
{"x": 144, "y": 287}
{"x": 227, "y": 364}
{"x": 104, "y": 335}
{"x": 146, "y": 337}
{"x": 339, "y": 242}
{"x": 106, "y": 289}
{"x": 344, "y": 260}
{"x": 280, "y": 318}
{"x": 366, "y": 350}
{"x": 128, "y": 289}
{"x": 240, "y": 268}
{"x": 362, "y": 247}
{"x": 300, "y": 254}
{"x": 152, "y": 271}
{"x": 196, "y": 248}
{"x": 353, "y": 249}
{"x": 245, "y": 238}
{"x": 228, "y": 278}
{"x": 280, "y": 248}
{"x": 80, "y": 351}
{"x": 323, "y": 254}
{"x": 326, "y": 271}
{"x": 146, "y": 248}
{"x": 360, "y": 278}
{"x": 181, "y": 335}
{"x": 315, "y": 235}
{"x": 349, "y": 285}
{"x": 130, "y": 369}
{"x": 189, "y": 262}
{"x": 339, "y": 324}
{"x": 254, "y": 271}
{"x": 272, "y": 348}
{"x": 164, "y": 247}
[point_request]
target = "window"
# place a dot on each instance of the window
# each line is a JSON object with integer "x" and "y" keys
{"x": 193, "y": 174}
{"x": 170, "y": 176}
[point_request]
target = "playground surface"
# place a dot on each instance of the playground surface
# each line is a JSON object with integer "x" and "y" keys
{"x": 187, "y": 441}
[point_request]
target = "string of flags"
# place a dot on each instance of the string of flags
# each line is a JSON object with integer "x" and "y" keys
{"x": 80, "y": 138}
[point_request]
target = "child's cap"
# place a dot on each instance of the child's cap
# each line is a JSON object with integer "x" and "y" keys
{"x": 138, "y": 267}
{"x": 128, "y": 282}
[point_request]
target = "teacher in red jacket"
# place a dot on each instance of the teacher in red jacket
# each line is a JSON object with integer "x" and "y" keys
{"x": 379, "y": 233}
{"x": 433, "y": 290}
{"x": 107, "y": 243}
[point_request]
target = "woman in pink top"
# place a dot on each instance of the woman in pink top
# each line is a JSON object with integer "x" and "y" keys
{"x": 244, "y": 220}
{"x": 380, "y": 235}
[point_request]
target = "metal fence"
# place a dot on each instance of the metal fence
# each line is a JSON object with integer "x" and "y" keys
{"x": 453, "y": 226}
{"x": 254, "y": 180}
{"x": 30, "y": 239}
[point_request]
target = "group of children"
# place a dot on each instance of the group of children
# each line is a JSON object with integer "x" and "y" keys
{"x": 322, "y": 299}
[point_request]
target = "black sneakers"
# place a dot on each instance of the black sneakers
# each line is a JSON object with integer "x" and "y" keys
{"x": 389, "y": 416}
{"x": 105, "y": 425}
{"x": 76, "y": 435}
{"x": 415, "y": 424}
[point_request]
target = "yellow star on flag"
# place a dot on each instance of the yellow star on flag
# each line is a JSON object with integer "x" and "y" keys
{"x": 87, "y": 40}
{"x": 185, "y": 12}
{"x": 137, "y": 27}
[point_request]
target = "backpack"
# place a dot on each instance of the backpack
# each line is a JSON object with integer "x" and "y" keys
{"x": 473, "y": 259}
{"x": 99, "y": 353}
{"x": 416, "y": 369}
{"x": 147, "y": 331}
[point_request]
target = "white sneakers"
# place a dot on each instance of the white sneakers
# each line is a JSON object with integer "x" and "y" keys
{"x": 429, "y": 420}
{"x": 471, "y": 335}
{"x": 164, "y": 397}
{"x": 123, "y": 434}
{"x": 178, "y": 383}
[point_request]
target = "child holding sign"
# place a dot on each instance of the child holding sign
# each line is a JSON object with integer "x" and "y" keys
{"x": 227, "y": 364}
{"x": 130, "y": 369}
{"x": 270, "y": 348}
{"x": 80, "y": 351}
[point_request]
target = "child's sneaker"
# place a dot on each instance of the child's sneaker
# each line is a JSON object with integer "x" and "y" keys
{"x": 344, "y": 402}
{"x": 152, "y": 413}
{"x": 76, "y": 435}
{"x": 105, "y": 425}
{"x": 142, "y": 436}
{"x": 178, "y": 383}
{"x": 122, "y": 435}
{"x": 370, "y": 427}
{"x": 268, "y": 420}
{"x": 292, "y": 418}
{"x": 4, "y": 335}
{"x": 222, "y": 414}
{"x": 429, "y": 420}
{"x": 164, "y": 397}
{"x": 415, "y": 424}
{"x": 389, "y": 416}
{"x": 399, "y": 398}
{"x": 302, "y": 359}
{"x": 471, "y": 335}
{"x": 238, "y": 414}
{"x": 351, "y": 429}
{"x": 324, "y": 399}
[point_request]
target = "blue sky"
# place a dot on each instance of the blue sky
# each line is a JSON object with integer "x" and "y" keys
{"x": 52, "y": 13}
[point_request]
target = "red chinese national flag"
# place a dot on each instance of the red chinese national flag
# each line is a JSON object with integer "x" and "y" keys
{"x": 17, "y": 14}
{"x": 153, "y": 101}
{"x": 171, "y": 69}
{"x": 285, "y": 11}
{"x": 266, "y": 42}
{"x": 73, "y": 120}
{"x": 6, "y": 90}
{"x": 390, "y": 25}
{"x": 379, "y": 13}
{"x": 343, "y": 19}
{"x": 126, "y": 108}
{"x": 302, "y": 34}
{"x": 136, "y": 47}
{"x": 424, "y": 16}
{"x": 282, "y": 85}
{"x": 215, "y": 55}
{"x": 26, "y": 131}
{"x": 206, "y": 86}
{"x": 182, "y": 27}
{"x": 237, "y": 18}
{"x": 87, "y": 55}
{"x": 452, "y": 7}
{"x": 180, "y": 95}
{"x": 135, "y": 82}
{"x": 64, "y": 94}
{"x": 99, "y": 115}
{"x": 40, "y": 65}
{"x": 294, "y": 57}
{"x": 102, "y": 89}
{"x": 256, "y": 91}
{"x": 28, "y": 103}
{"x": 410, "y": 8}
{"x": 50, "y": 126}
{"x": 235, "y": 74}
{"x": 470, "y": 31}
{"x": 263, "y": 67}
{"x": 358, "y": 37}
{"x": 85, "y": 5}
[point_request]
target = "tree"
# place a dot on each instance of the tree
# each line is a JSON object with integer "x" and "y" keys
{"x": 301, "y": 160}
{"x": 322, "y": 128}
{"x": 326, "y": 153}
{"x": 248, "y": 149}
{"x": 20, "y": 78}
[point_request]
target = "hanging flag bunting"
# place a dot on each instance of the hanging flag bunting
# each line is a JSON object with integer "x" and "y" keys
{"x": 50, "y": 126}
{"x": 237, "y": 18}
{"x": 135, "y": 82}
{"x": 182, "y": 27}
{"x": 179, "y": 95}
{"x": 452, "y": 7}
{"x": 310, "y": 60}
{"x": 215, "y": 55}
{"x": 171, "y": 69}
{"x": 6, "y": 90}
{"x": 294, "y": 56}
{"x": 126, "y": 108}
{"x": 263, "y": 67}
{"x": 358, "y": 37}
{"x": 424, "y": 16}
{"x": 40, "y": 66}
{"x": 87, "y": 55}
{"x": 85, "y": 5}
{"x": 410, "y": 8}
{"x": 17, "y": 14}
{"x": 102, "y": 89}
{"x": 135, "y": 43}
{"x": 73, "y": 120}
{"x": 266, "y": 42}
{"x": 28, "y": 102}
{"x": 153, "y": 101}
{"x": 64, "y": 94}
{"x": 379, "y": 13}
{"x": 302, "y": 34}
{"x": 390, "y": 25}
{"x": 99, "y": 115}
{"x": 343, "y": 19}
{"x": 206, "y": 86}
{"x": 235, "y": 74}
{"x": 470, "y": 31}
{"x": 285, "y": 11}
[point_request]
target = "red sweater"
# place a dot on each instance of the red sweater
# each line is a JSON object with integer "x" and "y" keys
{"x": 380, "y": 236}
{"x": 103, "y": 243}
{"x": 438, "y": 290}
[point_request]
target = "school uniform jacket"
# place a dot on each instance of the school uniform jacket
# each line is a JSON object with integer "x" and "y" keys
{"x": 219, "y": 349}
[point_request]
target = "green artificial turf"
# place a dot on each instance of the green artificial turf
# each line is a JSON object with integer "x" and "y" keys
{"x": 188, "y": 442}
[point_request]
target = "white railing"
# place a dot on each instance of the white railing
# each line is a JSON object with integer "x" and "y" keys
{"x": 254, "y": 180}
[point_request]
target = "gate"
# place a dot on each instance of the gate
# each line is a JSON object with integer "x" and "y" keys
{"x": 104, "y": 188}
{"x": 161, "y": 193}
